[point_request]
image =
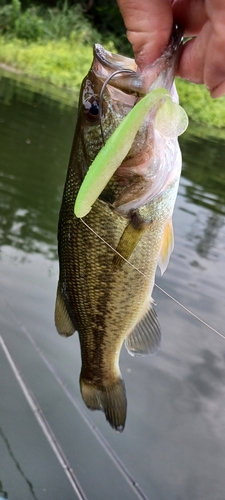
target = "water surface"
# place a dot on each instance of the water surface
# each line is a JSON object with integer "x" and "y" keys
{"x": 173, "y": 444}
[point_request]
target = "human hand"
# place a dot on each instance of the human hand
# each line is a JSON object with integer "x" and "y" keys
{"x": 149, "y": 25}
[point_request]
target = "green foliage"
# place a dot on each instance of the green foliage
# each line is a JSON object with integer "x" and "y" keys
{"x": 62, "y": 52}
{"x": 38, "y": 22}
{"x": 29, "y": 26}
{"x": 199, "y": 106}
{"x": 62, "y": 62}
{"x": 69, "y": 23}
{"x": 9, "y": 13}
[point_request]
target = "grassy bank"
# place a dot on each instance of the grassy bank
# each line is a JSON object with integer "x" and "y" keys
{"x": 62, "y": 63}
{"x": 55, "y": 46}
{"x": 52, "y": 44}
{"x": 199, "y": 106}
{"x": 65, "y": 62}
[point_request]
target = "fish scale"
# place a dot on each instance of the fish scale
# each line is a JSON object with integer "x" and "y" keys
{"x": 99, "y": 294}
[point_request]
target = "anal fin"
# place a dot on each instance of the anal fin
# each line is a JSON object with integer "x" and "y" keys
{"x": 167, "y": 246}
{"x": 146, "y": 337}
{"x": 63, "y": 322}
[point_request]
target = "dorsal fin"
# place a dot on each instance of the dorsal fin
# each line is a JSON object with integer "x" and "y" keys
{"x": 146, "y": 337}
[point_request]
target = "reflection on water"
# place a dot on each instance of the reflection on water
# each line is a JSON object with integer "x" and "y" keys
{"x": 27, "y": 89}
{"x": 2, "y": 492}
{"x": 174, "y": 441}
{"x": 204, "y": 167}
{"x": 30, "y": 486}
{"x": 208, "y": 239}
{"x": 31, "y": 176}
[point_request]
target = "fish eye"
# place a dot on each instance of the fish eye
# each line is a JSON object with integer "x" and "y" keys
{"x": 92, "y": 111}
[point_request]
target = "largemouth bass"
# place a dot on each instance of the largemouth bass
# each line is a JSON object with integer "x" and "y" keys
{"x": 108, "y": 260}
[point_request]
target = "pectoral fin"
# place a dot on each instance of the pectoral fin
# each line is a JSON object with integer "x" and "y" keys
{"x": 167, "y": 246}
{"x": 63, "y": 322}
{"x": 146, "y": 337}
{"x": 129, "y": 240}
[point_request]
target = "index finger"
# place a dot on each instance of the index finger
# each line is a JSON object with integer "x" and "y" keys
{"x": 149, "y": 25}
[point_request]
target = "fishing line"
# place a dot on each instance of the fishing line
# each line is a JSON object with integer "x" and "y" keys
{"x": 112, "y": 248}
{"x": 130, "y": 71}
{"x": 43, "y": 422}
{"x": 190, "y": 312}
{"x": 157, "y": 286}
{"x": 125, "y": 473}
{"x": 102, "y": 92}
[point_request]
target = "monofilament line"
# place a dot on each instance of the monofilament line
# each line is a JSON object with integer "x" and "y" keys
{"x": 47, "y": 430}
{"x": 190, "y": 312}
{"x": 157, "y": 286}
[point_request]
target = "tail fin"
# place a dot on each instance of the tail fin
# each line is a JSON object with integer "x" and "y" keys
{"x": 111, "y": 399}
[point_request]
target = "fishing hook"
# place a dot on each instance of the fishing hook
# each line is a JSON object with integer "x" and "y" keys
{"x": 102, "y": 92}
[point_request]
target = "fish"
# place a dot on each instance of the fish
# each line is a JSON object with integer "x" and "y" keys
{"x": 108, "y": 259}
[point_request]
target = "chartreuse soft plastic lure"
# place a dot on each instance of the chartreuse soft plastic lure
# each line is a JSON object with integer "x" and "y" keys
{"x": 171, "y": 121}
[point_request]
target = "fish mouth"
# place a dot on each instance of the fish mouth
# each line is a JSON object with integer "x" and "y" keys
{"x": 131, "y": 79}
{"x": 117, "y": 83}
{"x": 124, "y": 84}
